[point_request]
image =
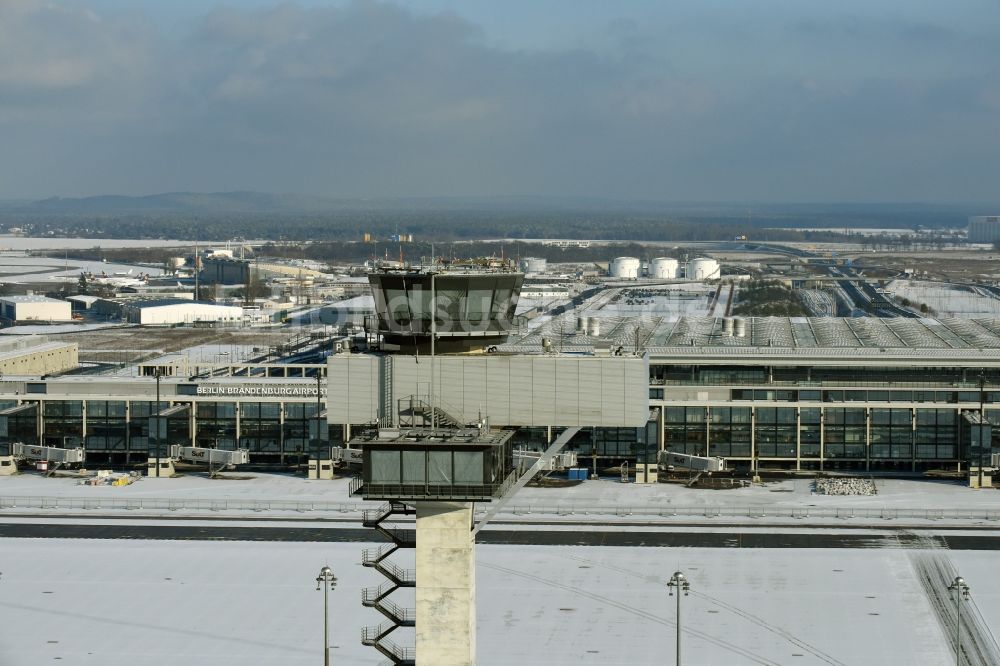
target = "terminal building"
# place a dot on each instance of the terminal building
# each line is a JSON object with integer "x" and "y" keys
{"x": 865, "y": 394}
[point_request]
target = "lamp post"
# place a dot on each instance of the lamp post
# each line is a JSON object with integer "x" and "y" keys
{"x": 327, "y": 581}
{"x": 961, "y": 591}
{"x": 680, "y": 582}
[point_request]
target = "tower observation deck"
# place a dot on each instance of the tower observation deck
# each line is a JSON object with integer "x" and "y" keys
{"x": 465, "y": 306}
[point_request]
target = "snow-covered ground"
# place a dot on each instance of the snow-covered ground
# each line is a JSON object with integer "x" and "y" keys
{"x": 946, "y": 300}
{"x": 55, "y": 243}
{"x": 20, "y": 269}
{"x": 135, "y": 603}
{"x": 598, "y": 501}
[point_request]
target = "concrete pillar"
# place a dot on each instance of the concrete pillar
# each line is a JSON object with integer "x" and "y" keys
{"x": 446, "y": 584}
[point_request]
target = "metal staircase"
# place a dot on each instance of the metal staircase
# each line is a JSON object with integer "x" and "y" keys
{"x": 414, "y": 411}
{"x": 396, "y": 577}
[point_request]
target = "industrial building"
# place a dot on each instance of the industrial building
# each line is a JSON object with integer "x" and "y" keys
{"x": 169, "y": 311}
{"x": 532, "y": 265}
{"x": 17, "y": 309}
{"x": 984, "y": 228}
{"x": 221, "y": 269}
{"x": 36, "y": 355}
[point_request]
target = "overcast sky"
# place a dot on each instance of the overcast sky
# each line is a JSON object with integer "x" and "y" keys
{"x": 738, "y": 100}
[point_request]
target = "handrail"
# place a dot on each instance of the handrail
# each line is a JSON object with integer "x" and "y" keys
{"x": 522, "y": 508}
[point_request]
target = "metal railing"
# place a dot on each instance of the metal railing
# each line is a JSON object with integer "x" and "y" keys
{"x": 527, "y": 508}
{"x": 428, "y": 491}
{"x": 175, "y": 504}
{"x": 751, "y": 511}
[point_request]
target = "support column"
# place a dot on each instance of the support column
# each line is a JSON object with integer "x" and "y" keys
{"x": 446, "y": 584}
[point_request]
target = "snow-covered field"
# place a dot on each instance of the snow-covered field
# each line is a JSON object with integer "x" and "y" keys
{"x": 19, "y": 269}
{"x": 135, "y": 603}
{"x": 55, "y": 243}
{"x": 599, "y": 500}
{"x": 946, "y": 300}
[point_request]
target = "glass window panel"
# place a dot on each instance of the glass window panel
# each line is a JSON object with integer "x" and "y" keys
{"x": 414, "y": 466}
{"x": 880, "y": 416}
{"x": 385, "y": 466}
{"x": 468, "y": 467}
{"x": 439, "y": 467}
{"x": 786, "y": 415}
{"x": 740, "y": 415}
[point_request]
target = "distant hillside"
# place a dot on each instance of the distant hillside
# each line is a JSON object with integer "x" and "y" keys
{"x": 819, "y": 215}
{"x": 183, "y": 202}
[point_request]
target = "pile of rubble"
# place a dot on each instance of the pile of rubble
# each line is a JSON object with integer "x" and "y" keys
{"x": 105, "y": 477}
{"x": 845, "y": 486}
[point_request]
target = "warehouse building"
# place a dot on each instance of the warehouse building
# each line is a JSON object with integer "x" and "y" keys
{"x": 35, "y": 355}
{"x": 172, "y": 311}
{"x": 19, "y": 309}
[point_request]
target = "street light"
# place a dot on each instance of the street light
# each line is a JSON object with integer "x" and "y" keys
{"x": 326, "y": 576}
{"x": 961, "y": 590}
{"x": 679, "y": 581}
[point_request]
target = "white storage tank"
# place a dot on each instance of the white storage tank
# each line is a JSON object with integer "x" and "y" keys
{"x": 593, "y": 327}
{"x": 703, "y": 269}
{"x": 533, "y": 265}
{"x": 581, "y": 325}
{"x": 662, "y": 267}
{"x": 626, "y": 268}
{"x": 741, "y": 327}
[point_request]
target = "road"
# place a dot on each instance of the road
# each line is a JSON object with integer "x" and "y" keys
{"x": 594, "y": 537}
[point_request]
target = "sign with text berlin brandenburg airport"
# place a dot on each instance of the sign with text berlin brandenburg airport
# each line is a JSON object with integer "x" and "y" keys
{"x": 259, "y": 390}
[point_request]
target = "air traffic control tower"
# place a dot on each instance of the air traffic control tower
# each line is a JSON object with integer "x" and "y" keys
{"x": 434, "y": 412}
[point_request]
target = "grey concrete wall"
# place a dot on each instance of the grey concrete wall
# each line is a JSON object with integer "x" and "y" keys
{"x": 519, "y": 390}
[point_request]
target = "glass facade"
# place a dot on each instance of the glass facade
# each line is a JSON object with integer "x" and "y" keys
{"x": 260, "y": 427}
{"x": 215, "y": 425}
{"x": 729, "y": 432}
{"x": 107, "y": 427}
{"x": 63, "y": 424}
{"x": 776, "y": 432}
{"x": 936, "y": 435}
{"x": 848, "y": 416}
{"x": 684, "y": 430}
{"x": 138, "y": 424}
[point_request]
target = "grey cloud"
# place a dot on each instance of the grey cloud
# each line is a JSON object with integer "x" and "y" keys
{"x": 373, "y": 99}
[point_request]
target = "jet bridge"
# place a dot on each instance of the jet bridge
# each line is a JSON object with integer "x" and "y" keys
{"x": 216, "y": 459}
{"x": 670, "y": 460}
{"x": 55, "y": 456}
